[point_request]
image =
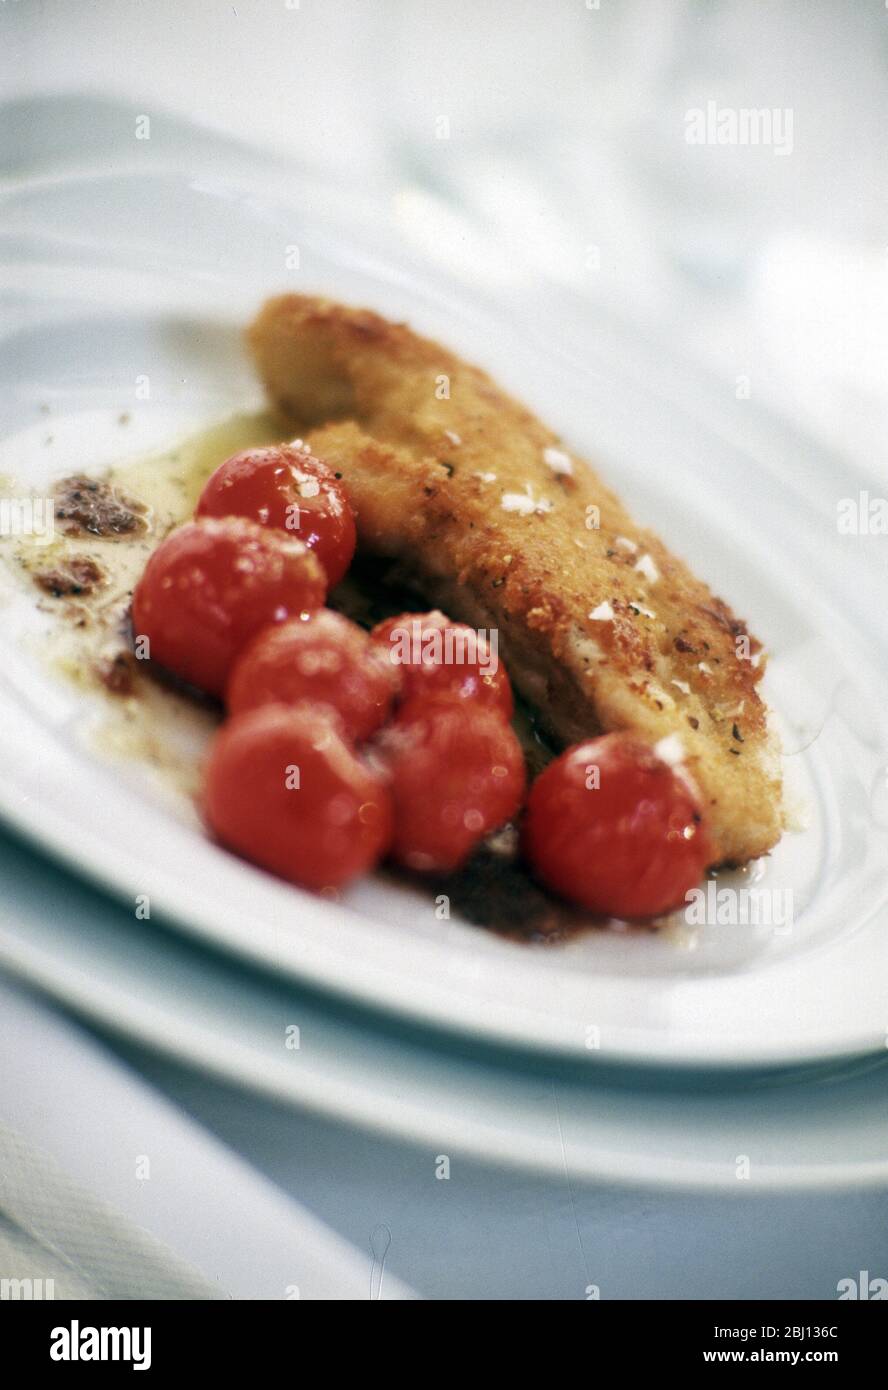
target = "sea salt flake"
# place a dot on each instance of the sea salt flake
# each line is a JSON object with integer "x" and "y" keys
{"x": 670, "y": 750}
{"x": 558, "y": 461}
{"x": 625, "y": 544}
{"x": 647, "y": 567}
{"x": 603, "y": 613}
{"x": 524, "y": 502}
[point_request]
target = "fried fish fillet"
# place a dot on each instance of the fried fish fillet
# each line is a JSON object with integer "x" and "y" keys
{"x": 503, "y": 527}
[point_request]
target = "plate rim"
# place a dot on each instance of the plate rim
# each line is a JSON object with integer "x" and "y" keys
{"x": 473, "y": 1023}
{"x": 172, "y": 1033}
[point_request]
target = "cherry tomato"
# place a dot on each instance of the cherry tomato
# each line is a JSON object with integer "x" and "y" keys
{"x": 321, "y": 657}
{"x": 457, "y": 772}
{"x": 286, "y": 791}
{"x": 612, "y": 827}
{"x": 211, "y": 586}
{"x": 287, "y": 487}
{"x": 440, "y": 657}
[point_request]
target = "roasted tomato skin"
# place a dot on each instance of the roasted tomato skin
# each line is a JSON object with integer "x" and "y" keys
{"x": 610, "y": 826}
{"x": 456, "y": 772}
{"x": 285, "y": 790}
{"x": 320, "y": 657}
{"x": 213, "y": 584}
{"x": 286, "y": 487}
{"x": 437, "y": 656}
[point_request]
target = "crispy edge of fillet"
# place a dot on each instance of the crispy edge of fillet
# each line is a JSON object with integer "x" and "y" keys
{"x": 504, "y": 527}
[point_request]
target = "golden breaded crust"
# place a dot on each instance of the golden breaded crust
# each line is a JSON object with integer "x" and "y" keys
{"x": 504, "y": 527}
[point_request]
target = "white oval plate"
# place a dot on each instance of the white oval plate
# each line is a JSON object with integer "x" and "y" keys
{"x": 114, "y": 278}
{"x": 821, "y": 1128}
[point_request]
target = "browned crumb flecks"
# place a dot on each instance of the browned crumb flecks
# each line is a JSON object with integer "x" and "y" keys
{"x": 93, "y": 507}
{"x": 75, "y": 576}
{"x": 117, "y": 672}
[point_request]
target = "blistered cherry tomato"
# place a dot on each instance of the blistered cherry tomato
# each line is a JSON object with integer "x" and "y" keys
{"x": 211, "y": 586}
{"x": 285, "y": 486}
{"x": 439, "y": 657}
{"x": 322, "y": 657}
{"x": 611, "y": 826}
{"x": 287, "y": 792}
{"x": 457, "y": 773}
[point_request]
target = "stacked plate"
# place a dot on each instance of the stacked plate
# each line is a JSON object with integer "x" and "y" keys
{"x": 734, "y": 1053}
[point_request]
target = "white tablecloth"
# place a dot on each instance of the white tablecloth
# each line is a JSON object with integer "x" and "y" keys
{"x": 238, "y": 1185}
